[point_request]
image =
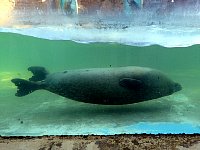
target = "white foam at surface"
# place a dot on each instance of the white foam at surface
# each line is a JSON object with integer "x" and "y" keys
{"x": 134, "y": 35}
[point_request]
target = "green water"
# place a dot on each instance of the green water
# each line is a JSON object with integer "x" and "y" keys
{"x": 45, "y": 113}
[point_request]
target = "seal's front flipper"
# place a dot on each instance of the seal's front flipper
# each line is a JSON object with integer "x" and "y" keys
{"x": 39, "y": 73}
{"x": 129, "y": 83}
{"x": 25, "y": 87}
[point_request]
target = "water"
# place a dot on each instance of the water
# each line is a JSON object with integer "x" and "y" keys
{"x": 171, "y": 48}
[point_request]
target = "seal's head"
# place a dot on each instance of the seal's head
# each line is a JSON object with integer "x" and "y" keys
{"x": 176, "y": 87}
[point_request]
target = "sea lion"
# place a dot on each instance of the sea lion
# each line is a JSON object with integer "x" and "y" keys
{"x": 107, "y": 86}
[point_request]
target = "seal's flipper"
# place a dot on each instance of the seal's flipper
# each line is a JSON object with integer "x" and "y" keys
{"x": 130, "y": 83}
{"x": 25, "y": 87}
{"x": 39, "y": 73}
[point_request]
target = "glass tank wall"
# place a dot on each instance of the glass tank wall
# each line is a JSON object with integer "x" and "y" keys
{"x": 91, "y": 43}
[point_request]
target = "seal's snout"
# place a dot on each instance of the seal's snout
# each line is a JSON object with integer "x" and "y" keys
{"x": 177, "y": 87}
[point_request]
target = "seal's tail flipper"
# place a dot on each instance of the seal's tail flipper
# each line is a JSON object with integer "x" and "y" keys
{"x": 39, "y": 73}
{"x": 25, "y": 87}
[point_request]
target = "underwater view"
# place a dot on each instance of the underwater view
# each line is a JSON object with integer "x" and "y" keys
{"x": 68, "y": 42}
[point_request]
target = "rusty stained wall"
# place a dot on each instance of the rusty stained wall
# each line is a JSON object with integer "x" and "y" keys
{"x": 85, "y": 6}
{"x": 33, "y": 4}
{"x": 103, "y": 6}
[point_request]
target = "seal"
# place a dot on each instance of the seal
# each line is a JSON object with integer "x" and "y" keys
{"x": 107, "y": 86}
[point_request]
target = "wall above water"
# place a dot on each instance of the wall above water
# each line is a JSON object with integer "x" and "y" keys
{"x": 6, "y": 7}
{"x": 91, "y": 6}
{"x": 110, "y": 7}
{"x": 32, "y": 4}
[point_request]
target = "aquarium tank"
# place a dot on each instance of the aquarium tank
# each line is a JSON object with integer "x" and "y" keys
{"x": 79, "y": 67}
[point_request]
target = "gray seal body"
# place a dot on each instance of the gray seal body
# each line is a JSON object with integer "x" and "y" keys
{"x": 108, "y": 86}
